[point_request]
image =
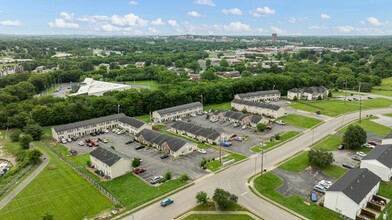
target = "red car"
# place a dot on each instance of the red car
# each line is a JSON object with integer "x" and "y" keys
{"x": 372, "y": 143}
{"x": 139, "y": 170}
{"x": 233, "y": 135}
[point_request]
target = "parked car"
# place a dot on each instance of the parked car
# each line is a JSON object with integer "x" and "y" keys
{"x": 121, "y": 132}
{"x": 166, "y": 202}
{"x": 313, "y": 197}
{"x": 115, "y": 130}
{"x": 233, "y": 135}
{"x": 269, "y": 127}
{"x": 93, "y": 134}
{"x": 243, "y": 127}
{"x": 213, "y": 120}
{"x": 341, "y": 147}
{"x": 73, "y": 152}
{"x": 97, "y": 132}
{"x": 102, "y": 131}
{"x": 164, "y": 156}
{"x": 356, "y": 157}
{"x": 348, "y": 165}
{"x": 325, "y": 183}
{"x": 87, "y": 140}
{"x": 319, "y": 188}
{"x": 202, "y": 151}
{"x": 140, "y": 147}
{"x": 140, "y": 170}
{"x": 63, "y": 141}
{"x": 74, "y": 138}
{"x": 100, "y": 139}
{"x": 89, "y": 144}
{"x": 360, "y": 153}
{"x": 81, "y": 143}
{"x": 239, "y": 138}
{"x": 177, "y": 119}
{"x": 155, "y": 179}
{"x": 193, "y": 115}
{"x": 104, "y": 140}
{"x": 129, "y": 142}
{"x": 280, "y": 122}
{"x": 369, "y": 97}
{"x": 236, "y": 125}
{"x": 373, "y": 143}
{"x": 106, "y": 131}
{"x": 69, "y": 140}
{"x": 367, "y": 145}
{"x": 226, "y": 144}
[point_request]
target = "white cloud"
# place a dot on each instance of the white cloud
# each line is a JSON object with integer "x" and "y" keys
{"x": 237, "y": 27}
{"x": 375, "y": 22}
{"x": 128, "y": 20}
{"x": 294, "y": 20}
{"x": 205, "y": 2}
{"x": 277, "y": 30}
{"x": 10, "y": 23}
{"x": 345, "y": 29}
{"x": 61, "y": 23}
{"x": 152, "y": 30}
{"x": 173, "y": 23}
{"x": 232, "y": 11}
{"x": 133, "y": 3}
{"x": 109, "y": 28}
{"x": 263, "y": 11}
{"x": 325, "y": 16}
{"x": 194, "y": 14}
{"x": 158, "y": 22}
{"x": 315, "y": 27}
{"x": 67, "y": 16}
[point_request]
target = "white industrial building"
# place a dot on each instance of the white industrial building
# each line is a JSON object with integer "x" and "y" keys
{"x": 112, "y": 163}
{"x": 308, "y": 93}
{"x": 352, "y": 192}
{"x": 269, "y": 95}
{"x": 260, "y": 108}
{"x": 169, "y": 114}
{"x": 379, "y": 161}
{"x": 82, "y": 128}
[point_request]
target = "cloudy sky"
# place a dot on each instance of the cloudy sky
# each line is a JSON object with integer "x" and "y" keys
{"x": 218, "y": 17}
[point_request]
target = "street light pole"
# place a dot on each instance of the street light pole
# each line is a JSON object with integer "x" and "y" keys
{"x": 360, "y": 102}
{"x": 118, "y": 109}
{"x": 262, "y": 163}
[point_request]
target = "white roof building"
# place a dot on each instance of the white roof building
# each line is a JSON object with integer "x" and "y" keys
{"x": 95, "y": 87}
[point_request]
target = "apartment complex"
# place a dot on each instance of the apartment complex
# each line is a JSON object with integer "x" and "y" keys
{"x": 260, "y": 108}
{"x": 308, "y": 93}
{"x": 268, "y": 95}
{"x": 239, "y": 118}
{"x": 169, "y": 114}
{"x": 379, "y": 161}
{"x": 197, "y": 132}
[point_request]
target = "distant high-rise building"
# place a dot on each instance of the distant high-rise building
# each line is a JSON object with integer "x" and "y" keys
{"x": 274, "y": 37}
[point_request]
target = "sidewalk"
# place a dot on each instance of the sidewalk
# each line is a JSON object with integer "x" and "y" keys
{"x": 218, "y": 213}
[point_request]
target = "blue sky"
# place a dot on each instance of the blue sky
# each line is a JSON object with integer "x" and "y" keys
{"x": 218, "y": 17}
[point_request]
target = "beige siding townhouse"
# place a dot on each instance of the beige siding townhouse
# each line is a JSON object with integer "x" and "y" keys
{"x": 112, "y": 163}
{"x": 169, "y": 114}
{"x": 197, "y": 132}
{"x": 308, "y": 93}
{"x": 269, "y": 95}
{"x": 261, "y": 108}
{"x": 132, "y": 125}
{"x": 239, "y": 118}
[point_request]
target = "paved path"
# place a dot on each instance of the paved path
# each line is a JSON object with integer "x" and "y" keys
{"x": 25, "y": 182}
{"x": 218, "y": 213}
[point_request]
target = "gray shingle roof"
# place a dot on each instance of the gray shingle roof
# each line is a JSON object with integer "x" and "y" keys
{"x": 239, "y": 116}
{"x": 381, "y": 153}
{"x": 107, "y": 156}
{"x": 388, "y": 136}
{"x": 79, "y": 124}
{"x": 258, "y": 93}
{"x": 208, "y": 133}
{"x": 132, "y": 121}
{"x": 158, "y": 138}
{"x": 257, "y": 104}
{"x": 313, "y": 89}
{"x": 356, "y": 184}
{"x": 179, "y": 108}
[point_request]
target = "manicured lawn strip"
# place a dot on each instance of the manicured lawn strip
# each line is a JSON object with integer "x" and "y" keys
{"x": 331, "y": 143}
{"x": 295, "y": 202}
{"x": 154, "y": 84}
{"x": 218, "y": 217}
{"x": 236, "y": 157}
{"x": 370, "y": 126}
{"x": 145, "y": 118}
{"x": 57, "y": 190}
{"x": 221, "y": 106}
{"x": 389, "y": 115}
{"x": 381, "y": 92}
{"x": 300, "y": 121}
{"x": 300, "y": 163}
{"x": 386, "y": 191}
{"x": 214, "y": 165}
{"x": 269, "y": 144}
{"x": 210, "y": 207}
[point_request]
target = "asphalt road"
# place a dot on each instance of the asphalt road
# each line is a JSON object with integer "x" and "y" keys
{"x": 235, "y": 178}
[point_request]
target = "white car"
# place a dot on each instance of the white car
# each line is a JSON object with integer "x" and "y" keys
{"x": 104, "y": 141}
{"x": 193, "y": 115}
{"x": 367, "y": 145}
{"x": 115, "y": 130}
{"x": 121, "y": 132}
{"x": 63, "y": 141}
{"x": 178, "y": 119}
{"x": 325, "y": 183}
{"x": 280, "y": 122}
{"x": 360, "y": 153}
{"x": 81, "y": 143}
{"x": 202, "y": 151}
{"x": 244, "y": 127}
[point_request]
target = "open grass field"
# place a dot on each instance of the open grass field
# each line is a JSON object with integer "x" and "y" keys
{"x": 218, "y": 217}
{"x": 330, "y": 143}
{"x": 145, "y": 118}
{"x": 300, "y": 162}
{"x": 295, "y": 202}
{"x": 221, "y": 106}
{"x": 154, "y": 84}
{"x": 300, "y": 121}
{"x": 370, "y": 126}
{"x": 269, "y": 144}
{"x": 337, "y": 107}
{"x": 385, "y": 88}
{"x": 59, "y": 191}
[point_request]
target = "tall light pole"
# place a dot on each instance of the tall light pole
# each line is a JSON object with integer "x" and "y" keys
{"x": 360, "y": 102}
{"x": 262, "y": 163}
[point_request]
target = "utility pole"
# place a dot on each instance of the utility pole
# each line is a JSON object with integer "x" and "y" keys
{"x": 201, "y": 96}
{"x": 262, "y": 164}
{"x": 360, "y": 102}
{"x": 345, "y": 92}
{"x": 118, "y": 109}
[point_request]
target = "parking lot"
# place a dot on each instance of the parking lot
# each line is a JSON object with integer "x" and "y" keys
{"x": 301, "y": 183}
{"x": 151, "y": 161}
{"x": 228, "y": 128}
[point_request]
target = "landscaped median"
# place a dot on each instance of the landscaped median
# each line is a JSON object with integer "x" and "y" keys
{"x": 300, "y": 121}
{"x": 270, "y": 144}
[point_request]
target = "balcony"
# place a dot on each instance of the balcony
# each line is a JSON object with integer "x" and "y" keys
{"x": 373, "y": 208}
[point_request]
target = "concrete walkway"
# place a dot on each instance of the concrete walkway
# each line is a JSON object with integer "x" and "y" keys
{"x": 20, "y": 187}
{"x": 218, "y": 213}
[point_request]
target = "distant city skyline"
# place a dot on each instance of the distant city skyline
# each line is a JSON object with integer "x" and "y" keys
{"x": 200, "y": 17}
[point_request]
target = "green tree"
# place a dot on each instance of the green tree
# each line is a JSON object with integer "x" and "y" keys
{"x": 47, "y": 216}
{"x": 209, "y": 75}
{"x": 25, "y": 140}
{"x": 277, "y": 136}
{"x": 224, "y": 198}
{"x": 224, "y": 63}
{"x": 34, "y": 156}
{"x": 320, "y": 157}
{"x": 34, "y": 129}
{"x": 88, "y": 163}
{"x": 136, "y": 162}
{"x": 202, "y": 198}
{"x": 261, "y": 127}
{"x": 208, "y": 63}
{"x": 246, "y": 73}
{"x": 168, "y": 175}
{"x": 329, "y": 94}
{"x": 295, "y": 98}
{"x": 354, "y": 137}
{"x": 184, "y": 177}
{"x": 15, "y": 135}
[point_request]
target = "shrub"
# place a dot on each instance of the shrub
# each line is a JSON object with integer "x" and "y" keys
{"x": 184, "y": 177}
{"x": 15, "y": 135}
{"x": 168, "y": 175}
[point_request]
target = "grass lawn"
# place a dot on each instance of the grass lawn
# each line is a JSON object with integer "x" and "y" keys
{"x": 59, "y": 191}
{"x": 382, "y": 92}
{"x": 338, "y": 107}
{"x": 218, "y": 217}
{"x": 145, "y": 118}
{"x": 386, "y": 191}
{"x": 210, "y": 207}
{"x": 154, "y": 84}
{"x": 389, "y": 115}
{"x": 269, "y": 144}
{"x": 221, "y": 106}
{"x": 214, "y": 165}
{"x": 294, "y": 202}
{"x": 300, "y": 162}
{"x": 300, "y": 121}
{"x": 370, "y": 126}
{"x": 330, "y": 143}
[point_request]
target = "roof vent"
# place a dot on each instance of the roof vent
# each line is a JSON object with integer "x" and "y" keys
{"x": 357, "y": 180}
{"x": 351, "y": 187}
{"x": 363, "y": 176}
